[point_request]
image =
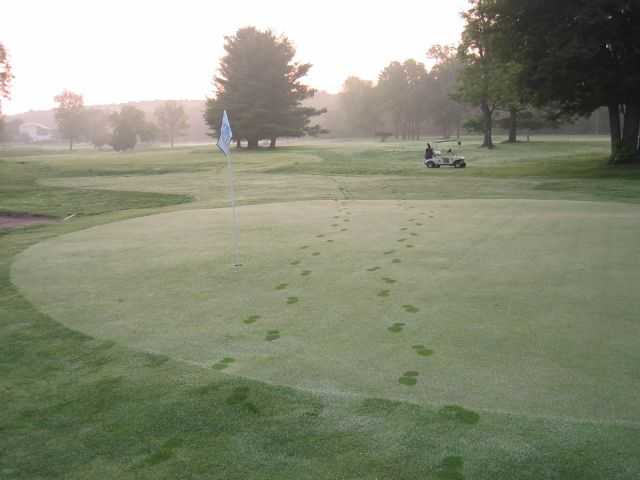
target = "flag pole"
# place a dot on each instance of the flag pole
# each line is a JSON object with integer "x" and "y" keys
{"x": 224, "y": 144}
{"x": 232, "y": 195}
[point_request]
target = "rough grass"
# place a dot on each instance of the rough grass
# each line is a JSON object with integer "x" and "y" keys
{"x": 75, "y": 407}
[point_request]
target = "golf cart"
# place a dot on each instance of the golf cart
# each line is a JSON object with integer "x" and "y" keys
{"x": 446, "y": 158}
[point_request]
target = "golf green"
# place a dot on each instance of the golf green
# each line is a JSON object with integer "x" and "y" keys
{"x": 520, "y": 306}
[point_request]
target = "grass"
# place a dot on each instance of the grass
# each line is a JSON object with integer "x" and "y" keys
{"x": 85, "y": 406}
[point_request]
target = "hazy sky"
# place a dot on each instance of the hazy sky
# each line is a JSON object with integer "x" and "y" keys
{"x": 122, "y": 50}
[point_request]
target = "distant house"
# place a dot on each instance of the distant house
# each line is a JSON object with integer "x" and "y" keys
{"x": 36, "y": 132}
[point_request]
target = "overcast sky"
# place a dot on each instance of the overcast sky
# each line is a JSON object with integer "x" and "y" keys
{"x": 123, "y": 50}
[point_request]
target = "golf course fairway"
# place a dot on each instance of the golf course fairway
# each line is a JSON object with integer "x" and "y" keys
{"x": 518, "y": 306}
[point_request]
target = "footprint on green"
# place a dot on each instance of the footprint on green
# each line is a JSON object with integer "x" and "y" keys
{"x": 450, "y": 468}
{"x": 389, "y": 252}
{"x": 388, "y": 280}
{"x": 292, "y": 300}
{"x": 459, "y": 414}
{"x": 304, "y": 247}
{"x": 239, "y": 395}
{"x": 306, "y": 273}
{"x": 330, "y": 241}
{"x": 282, "y": 286}
{"x": 295, "y": 262}
{"x": 224, "y": 363}
{"x": 315, "y": 254}
{"x": 409, "y": 378}
{"x": 404, "y": 229}
{"x": 272, "y": 335}
{"x": 408, "y": 245}
{"x": 422, "y": 350}
{"x": 396, "y": 260}
{"x": 251, "y": 319}
{"x": 373, "y": 269}
{"x": 410, "y": 309}
{"x": 396, "y": 327}
{"x": 320, "y": 236}
{"x": 335, "y": 224}
{"x": 336, "y": 217}
{"x": 418, "y": 224}
{"x": 402, "y": 240}
{"x": 383, "y": 293}
{"x": 414, "y": 234}
{"x": 344, "y": 230}
{"x": 346, "y": 220}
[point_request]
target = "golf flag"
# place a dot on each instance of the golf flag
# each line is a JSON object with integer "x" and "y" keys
{"x": 224, "y": 139}
{"x": 224, "y": 142}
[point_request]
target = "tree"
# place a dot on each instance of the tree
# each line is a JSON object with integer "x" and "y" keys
{"x": 444, "y": 111}
{"x": 403, "y": 90}
{"x": 97, "y": 129}
{"x": 580, "y": 56}
{"x": 486, "y": 81}
{"x": 261, "y": 88}
{"x": 358, "y": 102}
{"x": 172, "y": 120}
{"x": 149, "y": 132}
{"x": 5, "y": 76}
{"x": 70, "y": 115}
{"x": 127, "y": 125}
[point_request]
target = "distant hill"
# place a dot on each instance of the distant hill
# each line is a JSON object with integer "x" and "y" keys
{"x": 198, "y": 129}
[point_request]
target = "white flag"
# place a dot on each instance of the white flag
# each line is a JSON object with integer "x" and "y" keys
{"x": 224, "y": 140}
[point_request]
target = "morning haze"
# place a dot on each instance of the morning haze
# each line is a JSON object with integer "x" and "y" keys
{"x": 336, "y": 240}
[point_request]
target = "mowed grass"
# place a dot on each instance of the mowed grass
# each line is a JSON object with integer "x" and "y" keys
{"x": 79, "y": 406}
{"x": 525, "y": 307}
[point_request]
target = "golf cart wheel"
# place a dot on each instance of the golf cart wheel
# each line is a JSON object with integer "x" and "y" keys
{"x": 430, "y": 164}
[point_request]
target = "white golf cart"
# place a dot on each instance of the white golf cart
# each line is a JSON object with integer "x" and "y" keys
{"x": 447, "y": 158}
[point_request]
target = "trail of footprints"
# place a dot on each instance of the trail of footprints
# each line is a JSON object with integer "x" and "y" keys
{"x": 408, "y": 378}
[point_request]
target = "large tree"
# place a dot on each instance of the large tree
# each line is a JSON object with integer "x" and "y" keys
{"x": 5, "y": 76}
{"x": 70, "y": 116}
{"x": 97, "y": 129}
{"x": 580, "y": 55}
{"x": 487, "y": 80}
{"x": 444, "y": 111}
{"x": 261, "y": 87}
{"x": 403, "y": 92}
{"x": 127, "y": 124}
{"x": 359, "y": 106}
{"x": 172, "y": 120}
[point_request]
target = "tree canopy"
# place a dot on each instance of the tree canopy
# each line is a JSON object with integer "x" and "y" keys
{"x": 580, "y": 55}
{"x": 172, "y": 120}
{"x": 5, "y": 75}
{"x": 127, "y": 124}
{"x": 70, "y": 115}
{"x": 260, "y": 86}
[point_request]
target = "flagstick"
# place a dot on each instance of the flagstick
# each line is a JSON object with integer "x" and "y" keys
{"x": 232, "y": 194}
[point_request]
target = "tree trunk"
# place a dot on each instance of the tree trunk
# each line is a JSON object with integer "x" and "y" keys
{"x": 272, "y": 143}
{"x": 252, "y": 143}
{"x": 628, "y": 151}
{"x": 513, "y": 126}
{"x": 614, "y": 122}
{"x": 487, "y": 118}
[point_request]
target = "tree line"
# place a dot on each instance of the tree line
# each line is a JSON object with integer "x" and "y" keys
{"x": 121, "y": 129}
{"x": 519, "y": 64}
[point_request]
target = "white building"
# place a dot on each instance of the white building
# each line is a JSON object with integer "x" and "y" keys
{"x": 36, "y": 132}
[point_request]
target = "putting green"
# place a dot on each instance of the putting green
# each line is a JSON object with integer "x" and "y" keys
{"x": 528, "y": 307}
